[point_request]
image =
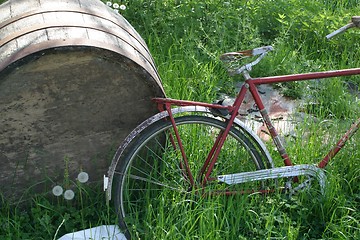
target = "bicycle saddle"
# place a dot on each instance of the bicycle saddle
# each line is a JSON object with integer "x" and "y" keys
{"x": 234, "y": 56}
{"x": 231, "y": 59}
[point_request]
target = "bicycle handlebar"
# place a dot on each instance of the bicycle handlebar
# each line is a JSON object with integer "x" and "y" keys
{"x": 232, "y": 57}
{"x": 355, "y": 22}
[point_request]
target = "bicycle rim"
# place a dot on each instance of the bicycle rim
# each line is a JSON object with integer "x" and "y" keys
{"x": 152, "y": 191}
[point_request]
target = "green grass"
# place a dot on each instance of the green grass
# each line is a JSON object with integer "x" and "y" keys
{"x": 185, "y": 38}
{"x": 46, "y": 217}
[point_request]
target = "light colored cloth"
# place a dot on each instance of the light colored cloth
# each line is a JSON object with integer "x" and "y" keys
{"x": 105, "y": 232}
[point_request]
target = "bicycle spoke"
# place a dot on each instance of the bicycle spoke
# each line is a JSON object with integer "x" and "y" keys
{"x": 152, "y": 179}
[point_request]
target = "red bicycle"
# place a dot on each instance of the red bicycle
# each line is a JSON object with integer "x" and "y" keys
{"x": 203, "y": 151}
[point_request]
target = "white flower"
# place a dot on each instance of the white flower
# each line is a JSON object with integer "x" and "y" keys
{"x": 83, "y": 177}
{"x": 69, "y": 194}
{"x": 116, "y": 10}
{"x": 122, "y": 7}
{"x": 57, "y": 190}
{"x": 109, "y": 3}
{"x": 116, "y": 5}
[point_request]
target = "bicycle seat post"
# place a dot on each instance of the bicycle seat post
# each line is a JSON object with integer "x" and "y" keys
{"x": 246, "y": 75}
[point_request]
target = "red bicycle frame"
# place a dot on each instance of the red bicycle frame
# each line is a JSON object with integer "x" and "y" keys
{"x": 251, "y": 85}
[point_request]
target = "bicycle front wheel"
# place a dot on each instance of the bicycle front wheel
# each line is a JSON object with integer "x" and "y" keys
{"x": 153, "y": 193}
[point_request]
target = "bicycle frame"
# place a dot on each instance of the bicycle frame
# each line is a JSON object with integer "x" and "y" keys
{"x": 251, "y": 84}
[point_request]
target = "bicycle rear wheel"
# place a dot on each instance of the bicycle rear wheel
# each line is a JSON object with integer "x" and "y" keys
{"x": 152, "y": 194}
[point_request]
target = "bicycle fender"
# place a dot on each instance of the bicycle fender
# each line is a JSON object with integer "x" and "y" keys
{"x": 109, "y": 179}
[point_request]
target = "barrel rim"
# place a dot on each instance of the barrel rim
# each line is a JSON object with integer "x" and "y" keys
{"x": 118, "y": 20}
{"x": 49, "y": 25}
{"x": 78, "y": 42}
{"x": 95, "y": 13}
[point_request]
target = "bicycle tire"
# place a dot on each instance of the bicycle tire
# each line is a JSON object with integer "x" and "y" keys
{"x": 148, "y": 181}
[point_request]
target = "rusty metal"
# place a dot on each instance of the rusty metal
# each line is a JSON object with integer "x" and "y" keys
{"x": 184, "y": 103}
{"x": 279, "y": 145}
{"x": 340, "y": 144}
{"x": 309, "y": 170}
{"x": 305, "y": 76}
{"x": 251, "y": 84}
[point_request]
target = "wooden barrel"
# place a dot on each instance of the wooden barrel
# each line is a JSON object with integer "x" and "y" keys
{"x": 75, "y": 79}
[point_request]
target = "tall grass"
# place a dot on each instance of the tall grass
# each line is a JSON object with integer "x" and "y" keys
{"x": 46, "y": 217}
{"x": 185, "y": 38}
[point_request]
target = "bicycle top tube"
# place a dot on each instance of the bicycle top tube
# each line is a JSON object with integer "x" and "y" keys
{"x": 305, "y": 76}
